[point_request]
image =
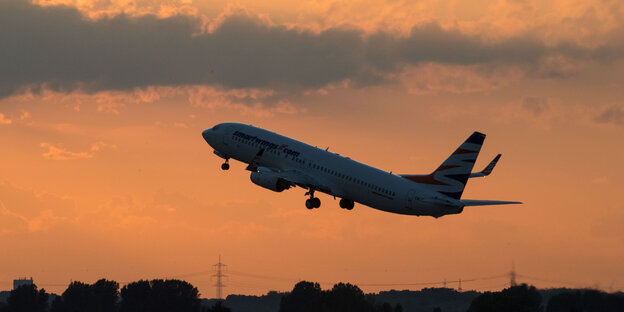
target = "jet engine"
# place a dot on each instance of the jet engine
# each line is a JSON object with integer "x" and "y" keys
{"x": 269, "y": 181}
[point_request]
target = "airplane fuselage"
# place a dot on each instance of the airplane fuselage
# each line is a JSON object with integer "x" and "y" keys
{"x": 336, "y": 175}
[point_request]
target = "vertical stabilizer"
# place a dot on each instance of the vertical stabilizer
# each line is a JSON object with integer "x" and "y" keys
{"x": 451, "y": 177}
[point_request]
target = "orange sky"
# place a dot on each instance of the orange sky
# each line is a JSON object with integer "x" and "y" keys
{"x": 100, "y": 180}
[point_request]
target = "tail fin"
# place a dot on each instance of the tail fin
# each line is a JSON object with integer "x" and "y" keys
{"x": 451, "y": 177}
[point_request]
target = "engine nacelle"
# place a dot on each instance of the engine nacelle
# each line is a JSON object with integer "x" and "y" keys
{"x": 269, "y": 181}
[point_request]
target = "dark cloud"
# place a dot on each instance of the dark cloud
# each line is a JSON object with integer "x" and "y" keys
{"x": 611, "y": 115}
{"x": 60, "y": 49}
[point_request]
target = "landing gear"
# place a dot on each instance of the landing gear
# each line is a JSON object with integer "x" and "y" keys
{"x": 312, "y": 202}
{"x": 346, "y": 204}
{"x": 225, "y": 165}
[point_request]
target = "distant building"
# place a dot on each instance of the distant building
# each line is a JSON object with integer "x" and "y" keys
{"x": 21, "y": 282}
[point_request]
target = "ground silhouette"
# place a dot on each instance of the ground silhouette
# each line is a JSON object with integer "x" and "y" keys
{"x": 176, "y": 295}
{"x": 585, "y": 300}
{"x": 101, "y": 296}
{"x": 343, "y": 297}
{"x": 522, "y": 298}
{"x": 26, "y": 298}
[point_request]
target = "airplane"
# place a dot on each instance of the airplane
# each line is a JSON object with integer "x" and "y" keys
{"x": 278, "y": 163}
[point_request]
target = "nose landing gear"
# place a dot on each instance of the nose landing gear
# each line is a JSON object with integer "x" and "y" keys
{"x": 312, "y": 202}
{"x": 226, "y": 164}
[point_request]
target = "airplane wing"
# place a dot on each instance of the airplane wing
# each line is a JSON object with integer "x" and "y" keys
{"x": 303, "y": 180}
{"x": 295, "y": 177}
{"x": 476, "y": 202}
{"x": 488, "y": 169}
{"x": 253, "y": 164}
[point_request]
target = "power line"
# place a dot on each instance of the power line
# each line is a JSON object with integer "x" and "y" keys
{"x": 443, "y": 282}
{"x": 193, "y": 274}
{"x": 257, "y": 276}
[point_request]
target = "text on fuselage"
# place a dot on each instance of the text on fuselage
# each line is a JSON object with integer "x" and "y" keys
{"x": 266, "y": 144}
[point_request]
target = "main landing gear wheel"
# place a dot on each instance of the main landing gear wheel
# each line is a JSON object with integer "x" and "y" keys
{"x": 225, "y": 165}
{"x": 312, "y": 202}
{"x": 346, "y": 204}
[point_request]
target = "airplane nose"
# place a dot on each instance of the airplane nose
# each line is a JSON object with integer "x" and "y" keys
{"x": 208, "y": 134}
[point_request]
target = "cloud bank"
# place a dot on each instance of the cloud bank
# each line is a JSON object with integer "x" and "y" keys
{"x": 57, "y": 48}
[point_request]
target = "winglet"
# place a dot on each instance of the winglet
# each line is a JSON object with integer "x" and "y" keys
{"x": 488, "y": 169}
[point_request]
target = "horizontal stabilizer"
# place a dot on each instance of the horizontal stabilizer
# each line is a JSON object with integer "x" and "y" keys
{"x": 476, "y": 202}
{"x": 488, "y": 169}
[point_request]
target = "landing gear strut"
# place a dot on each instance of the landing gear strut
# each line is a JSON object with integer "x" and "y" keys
{"x": 312, "y": 202}
{"x": 226, "y": 164}
{"x": 346, "y": 204}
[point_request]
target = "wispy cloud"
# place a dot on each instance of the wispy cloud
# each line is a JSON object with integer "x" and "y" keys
{"x": 25, "y": 115}
{"x": 97, "y": 146}
{"x": 5, "y": 120}
{"x": 55, "y": 152}
{"x": 59, "y": 153}
{"x": 25, "y": 210}
{"x": 611, "y": 115}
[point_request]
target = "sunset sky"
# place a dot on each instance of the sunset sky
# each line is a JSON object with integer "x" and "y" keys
{"x": 104, "y": 173}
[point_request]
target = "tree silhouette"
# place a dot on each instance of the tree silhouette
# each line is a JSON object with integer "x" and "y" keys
{"x": 520, "y": 298}
{"x": 305, "y": 297}
{"x": 386, "y": 307}
{"x": 585, "y": 300}
{"x": 218, "y": 307}
{"x": 102, "y": 296}
{"x": 160, "y": 295}
{"x": 347, "y": 298}
{"x": 308, "y": 297}
{"x": 136, "y": 297}
{"x": 27, "y": 298}
{"x": 76, "y": 298}
{"x": 106, "y": 294}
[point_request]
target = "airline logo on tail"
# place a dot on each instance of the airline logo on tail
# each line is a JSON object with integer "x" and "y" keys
{"x": 451, "y": 177}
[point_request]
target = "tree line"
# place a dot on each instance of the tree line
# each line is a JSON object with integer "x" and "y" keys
{"x": 309, "y": 297}
{"x": 525, "y": 298}
{"x": 105, "y": 296}
{"x": 176, "y": 295}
